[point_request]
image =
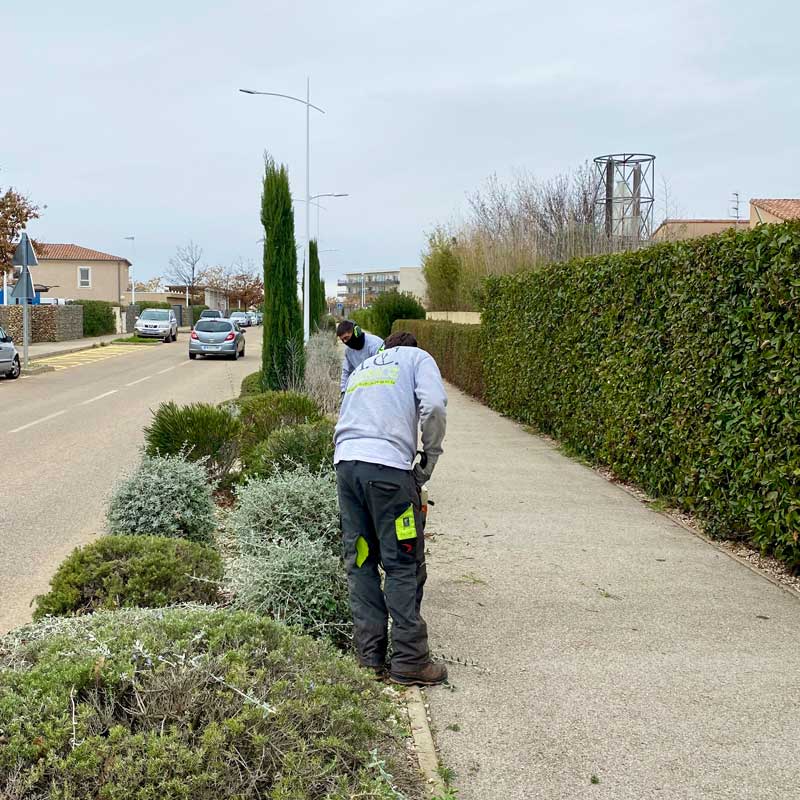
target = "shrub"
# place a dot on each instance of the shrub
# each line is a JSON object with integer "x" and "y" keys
{"x": 299, "y": 582}
{"x": 327, "y": 324}
{"x": 252, "y": 384}
{"x": 143, "y": 305}
{"x": 363, "y": 317}
{"x": 323, "y": 371}
{"x": 98, "y": 317}
{"x": 309, "y": 445}
{"x": 456, "y": 348}
{"x": 261, "y": 414}
{"x": 678, "y": 366}
{"x": 191, "y": 703}
{"x": 164, "y": 496}
{"x": 120, "y": 571}
{"x": 194, "y": 314}
{"x": 391, "y": 306}
{"x": 284, "y": 507}
{"x": 199, "y": 432}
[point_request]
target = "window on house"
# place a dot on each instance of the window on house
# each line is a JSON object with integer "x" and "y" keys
{"x": 84, "y": 277}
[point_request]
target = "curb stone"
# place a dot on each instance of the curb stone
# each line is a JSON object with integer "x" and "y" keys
{"x": 423, "y": 739}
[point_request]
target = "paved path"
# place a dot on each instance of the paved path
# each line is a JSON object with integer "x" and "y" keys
{"x": 65, "y": 438}
{"x": 618, "y": 645}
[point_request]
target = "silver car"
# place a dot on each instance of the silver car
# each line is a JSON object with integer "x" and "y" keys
{"x": 157, "y": 323}
{"x": 216, "y": 337}
{"x": 241, "y": 318}
{"x": 9, "y": 357}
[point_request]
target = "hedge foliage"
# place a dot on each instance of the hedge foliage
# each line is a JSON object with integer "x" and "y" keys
{"x": 179, "y": 703}
{"x": 309, "y": 445}
{"x": 677, "y": 365}
{"x": 98, "y": 317}
{"x": 252, "y": 384}
{"x": 125, "y": 571}
{"x": 198, "y": 432}
{"x": 456, "y": 348}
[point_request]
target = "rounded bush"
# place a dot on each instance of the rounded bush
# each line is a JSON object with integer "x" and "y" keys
{"x": 122, "y": 571}
{"x": 391, "y": 306}
{"x": 299, "y": 582}
{"x": 194, "y": 703}
{"x": 309, "y": 445}
{"x": 198, "y": 432}
{"x": 286, "y": 506}
{"x": 261, "y": 414}
{"x": 164, "y": 496}
{"x": 252, "y": 384}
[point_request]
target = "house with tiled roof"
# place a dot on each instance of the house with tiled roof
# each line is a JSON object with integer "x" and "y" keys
{"x": 777, "y": 210}
{"x": 672, "y": 230}
{"x": 79, "y": 273}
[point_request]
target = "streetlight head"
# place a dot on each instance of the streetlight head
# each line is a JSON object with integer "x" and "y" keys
{"x": 248, "y": 91}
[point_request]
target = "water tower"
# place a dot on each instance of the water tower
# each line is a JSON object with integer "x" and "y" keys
{"x": 625, "y": 195}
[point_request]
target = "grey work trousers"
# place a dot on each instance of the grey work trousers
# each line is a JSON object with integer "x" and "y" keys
{"x": 382, "y": 525}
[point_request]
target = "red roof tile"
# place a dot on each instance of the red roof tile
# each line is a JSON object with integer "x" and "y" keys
{"x": 73, "y": 252}
{"x": 785, "y": 209}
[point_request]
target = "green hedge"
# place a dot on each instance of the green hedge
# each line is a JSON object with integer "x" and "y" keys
{"x": 145, "y": 304}
{"x": 98, "y": 317}
{"x": 456, "y": 348}
{"x": 677, "y": 365}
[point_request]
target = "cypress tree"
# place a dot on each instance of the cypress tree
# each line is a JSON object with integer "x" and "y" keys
{"x": 282, "y": 358}
{"x": 314, "y": 286}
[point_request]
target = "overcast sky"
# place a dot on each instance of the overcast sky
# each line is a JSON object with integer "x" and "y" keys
{"x": 125, "y": 118}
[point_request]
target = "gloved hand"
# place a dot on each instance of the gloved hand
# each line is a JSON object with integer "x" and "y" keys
{"x": 422, "y": 474}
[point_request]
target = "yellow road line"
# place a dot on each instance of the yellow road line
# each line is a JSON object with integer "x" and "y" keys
{"x": 82, "y": 357}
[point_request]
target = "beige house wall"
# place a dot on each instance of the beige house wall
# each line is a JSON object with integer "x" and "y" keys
{"x": 679, "y": 229}
{"x": 412, "y": 280}
{"x": 460, "y": 317}
{"x": 108, "y": 279}
{"x": 758, "y": 216}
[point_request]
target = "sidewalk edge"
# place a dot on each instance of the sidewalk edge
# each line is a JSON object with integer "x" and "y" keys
{"x": 423, "y": 739}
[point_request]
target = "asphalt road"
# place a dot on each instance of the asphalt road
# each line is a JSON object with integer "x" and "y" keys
{"x": 65, "y": 439}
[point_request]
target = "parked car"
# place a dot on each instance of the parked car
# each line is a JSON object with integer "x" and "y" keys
{"x": 259, "y": 318}
{"x": 242, "y": 317}
{"x": 212, "y": 313}
{"x": 216, "y": 337}
{"x": 157, "y": 323}
{"x": 9, "y": 357}
{"x": 253, "y": 317}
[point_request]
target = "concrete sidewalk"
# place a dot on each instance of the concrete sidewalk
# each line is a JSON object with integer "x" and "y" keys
{"x": 626, "y": 657}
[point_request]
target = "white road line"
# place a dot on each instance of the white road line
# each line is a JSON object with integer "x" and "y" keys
{"x": 184, "y": 364}
{"x": 99, "y": 397}
{"x": 36, "y": 422}
{"x": 162, "y": 371}
{"x": 133, "y": 383}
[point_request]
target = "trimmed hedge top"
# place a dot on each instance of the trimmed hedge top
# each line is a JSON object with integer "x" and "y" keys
{"x": 677, "y": 365}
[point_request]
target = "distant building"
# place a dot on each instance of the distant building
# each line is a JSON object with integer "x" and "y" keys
{"x": 359, "y": 289}
{"x": 673, "y": 230}
{"x": 771, "y": 211}
{"x": 73, "y": 272}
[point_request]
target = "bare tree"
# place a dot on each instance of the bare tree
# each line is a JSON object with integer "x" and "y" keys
{"x": 184, "y": 266}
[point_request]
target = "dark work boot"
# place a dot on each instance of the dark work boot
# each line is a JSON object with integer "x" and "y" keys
{"x": 428, "y": 674}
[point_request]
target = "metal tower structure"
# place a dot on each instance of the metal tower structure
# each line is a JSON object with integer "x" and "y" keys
{"x": 625, "y": 195}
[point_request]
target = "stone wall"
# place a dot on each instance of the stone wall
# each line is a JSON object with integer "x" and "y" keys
{"x": 48, "y": 323}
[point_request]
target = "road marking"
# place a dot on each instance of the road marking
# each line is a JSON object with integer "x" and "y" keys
{"x": 37, "y": 421}
{"x": 99, "y": 397}
{"x": 89, "y": 356}
{"x": 133, "y": 383}
{"x": 162, "y": 371}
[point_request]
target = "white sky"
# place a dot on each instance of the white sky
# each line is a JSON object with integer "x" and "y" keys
{"x": 125, "y": 118}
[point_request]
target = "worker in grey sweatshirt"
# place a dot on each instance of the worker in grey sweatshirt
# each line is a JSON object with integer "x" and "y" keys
{"x": 388, "y": 399}
{"x": 358, "y": 347}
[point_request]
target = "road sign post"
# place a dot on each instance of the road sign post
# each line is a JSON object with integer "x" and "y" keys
{"x": 24, "y": 256}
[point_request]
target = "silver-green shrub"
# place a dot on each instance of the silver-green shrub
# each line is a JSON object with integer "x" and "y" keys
{"x": 299, "y": 582}
{"x": 163, "y": 496}
{"x": 284, "y": 507}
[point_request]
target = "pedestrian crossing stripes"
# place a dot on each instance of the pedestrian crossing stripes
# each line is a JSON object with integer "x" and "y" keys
{"x": 83, "y": 357}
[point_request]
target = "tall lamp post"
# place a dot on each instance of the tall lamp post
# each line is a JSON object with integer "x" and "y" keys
{"x": 307, "y": 103}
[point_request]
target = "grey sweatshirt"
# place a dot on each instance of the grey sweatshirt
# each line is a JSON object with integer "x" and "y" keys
{"x": 352, "y": 358}
{"x": 388, "y": 398}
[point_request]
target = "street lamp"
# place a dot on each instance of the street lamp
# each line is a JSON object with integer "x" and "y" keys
{"x": 318, "y": 205}
{"x": 307, "y": 103}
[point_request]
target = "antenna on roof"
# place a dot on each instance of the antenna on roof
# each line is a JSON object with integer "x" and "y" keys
{"x": 735, "y": 206}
